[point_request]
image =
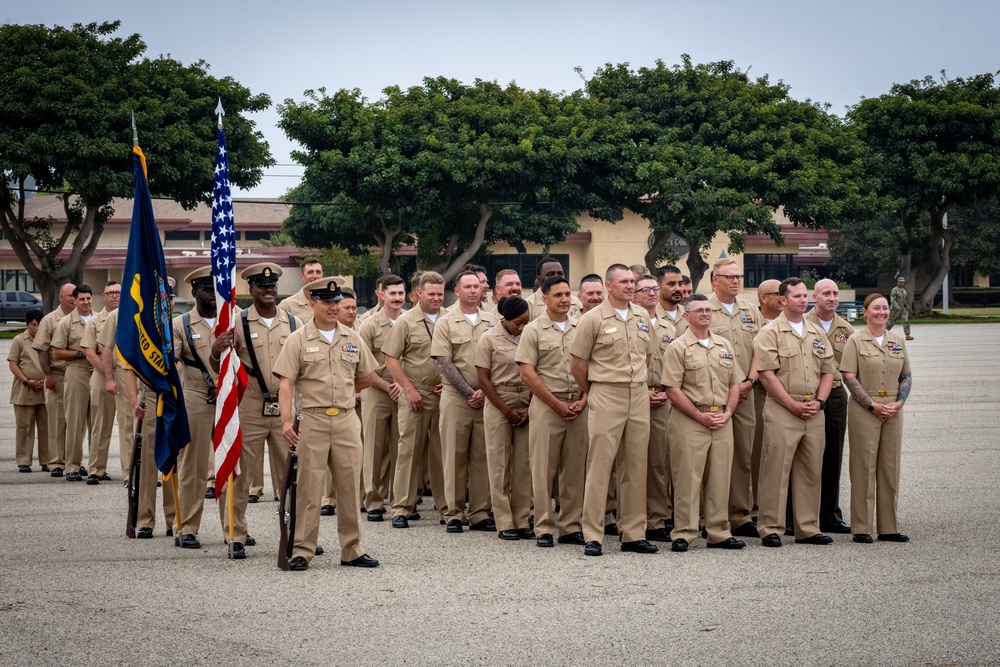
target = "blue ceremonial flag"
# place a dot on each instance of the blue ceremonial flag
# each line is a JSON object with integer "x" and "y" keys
{"x": 143, "y": 337}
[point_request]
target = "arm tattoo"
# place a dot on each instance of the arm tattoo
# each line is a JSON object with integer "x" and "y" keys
{"x": 454, "y": 376}
{"x": 905, "y": 384}
{"x": 43, "y": 361}
{"x": 858, "y": 392}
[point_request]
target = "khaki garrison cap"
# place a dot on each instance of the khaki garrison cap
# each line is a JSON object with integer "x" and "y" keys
{"x": 264, "y": 274}
{"x": 324, "y": 289}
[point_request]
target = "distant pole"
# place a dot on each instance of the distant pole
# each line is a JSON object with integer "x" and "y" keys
{"x": 220, "y": 111}
{"x": 135, "y": 132}
{"x": 944, "y": 289}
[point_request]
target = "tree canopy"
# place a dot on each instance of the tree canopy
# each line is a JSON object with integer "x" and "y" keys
{"x": 712, "y": 150}
{"x": 66, "y": 101}
{"x": 935, "y": 146}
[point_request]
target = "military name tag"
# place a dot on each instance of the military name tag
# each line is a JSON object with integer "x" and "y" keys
{"x": 611, "y": 330}
{"x": 195, "y": 336}
{"x": 312, "y": 349}
{"x": 253, "y": 335}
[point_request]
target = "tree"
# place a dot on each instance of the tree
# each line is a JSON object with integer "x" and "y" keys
{"x": 936, "y": 145}
{"x": 453, "y": 166}
{"x": 712, "y": 150}
{"x": 66, "y": 99}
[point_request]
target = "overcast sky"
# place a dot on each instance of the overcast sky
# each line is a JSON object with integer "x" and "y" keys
{"x": 835, "y": 52}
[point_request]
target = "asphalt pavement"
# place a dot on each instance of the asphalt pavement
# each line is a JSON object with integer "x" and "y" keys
{"x": 75, "y": 591}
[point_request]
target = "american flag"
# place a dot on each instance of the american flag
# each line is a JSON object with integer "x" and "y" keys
{"x": 227, "y": 438}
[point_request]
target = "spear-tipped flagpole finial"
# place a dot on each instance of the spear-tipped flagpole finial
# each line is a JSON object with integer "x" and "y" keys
{"x": 220, "y": 111}
{"x": 135, "y": 132}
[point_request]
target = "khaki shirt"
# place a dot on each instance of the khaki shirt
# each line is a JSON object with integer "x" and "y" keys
{"x": 547, "y": 348}
{"x": 375, "y": 332}
{"x": 371, "y": 312}
{"x": 840, "y": 331}
{"x": 664, "y": 333}
{"x": 496, "y": 352}
{"x": 324, "y": 372}
{"x": 410, "y": 343}
{"x": 536, "y": 307}
{"x": 457, "y": 338}
{"x": 877, "y": 367}
{"x": 615, "y": 351}
{"x": 26, "y": 358}
{"x": 93, "y": 330}
{"x": 68, "y": 336}
{"x": 679, "y": 324}
{"x": 298, "y": 305}
{"x": 202, "y": 336}
{"x": 797, "y": 362}
{"x": 267, "y": 344}
{"x": 739, "y": 328}
{"x": 704, "y": 374}
{"x": 106, "y": 337}
{"x": 43, "y": 339}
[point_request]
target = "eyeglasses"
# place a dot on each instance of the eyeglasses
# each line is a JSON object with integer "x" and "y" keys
{"x": 736, "y": 277}
{"x": 648, "y": 290}
{"x": 699, "y": 311}
{"x": 112, "y": 294}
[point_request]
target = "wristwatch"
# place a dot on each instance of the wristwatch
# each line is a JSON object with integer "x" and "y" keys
{"x": 79, "y": 354}
{"x": 871, "y": 408}
{"x": 753, "y": 382}
{"x": 822, "y": 404}
{"x": 24, "y": 382}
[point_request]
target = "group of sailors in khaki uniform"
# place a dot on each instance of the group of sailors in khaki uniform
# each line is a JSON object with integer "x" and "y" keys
{"x": 628, "y": 407}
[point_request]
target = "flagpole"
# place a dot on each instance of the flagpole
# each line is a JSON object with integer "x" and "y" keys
{"x": 177, "y": 503}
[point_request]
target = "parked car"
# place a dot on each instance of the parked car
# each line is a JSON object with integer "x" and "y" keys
{"x": 14, "y": 304}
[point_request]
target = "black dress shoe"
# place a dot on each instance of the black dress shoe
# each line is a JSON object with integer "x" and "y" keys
{"x": 400, "y": 522}
{"x": 187, "y": 542}
{"x": 210, "y": 493}
{"x": 593, "y": 548}
{"x": 658, "y": 535}
{"x": 252, "y": 499}
{"x": 24, "y": 468}
{"x": 572, "y": 538}
{"x": 863, "y": 538}
{"x": 680, "y": 545}
{"x": 611, "y": 529}
{"x": 363, "y": 560}
{"x": 668, "y": 525}
{"x": 526, "y": 533}
{"x": 748, "y": 529}
{"x": 728, "y": 543}
{"x": 250, "y": 542}
{"x": 82, "y": 471}
{"x": 838, "y": 528}
{"x": 236, "y": 551}
{"x": 327, "y": 510}
{"x": 74, "y": 477}
{"x": 319, "y": 550}
{"x": 298, "y": 564}
{"x": 93, "y": 480}
{"x": 486, "y": 526}
{"x": 818, "y": 538}
{"x": 144, "y": 534}
{"x": 508, "y": 535}
{"x": 170, "y": 532}
{"x": 771, "y": 540}
{"x": 789, "y": 530}
{"x": 374, "y": 516}
{"x": 544, "y": 540}
{"x": 56, "y": 472}
{"x": 640, "y": 547}
{"x": 105, "y": 477}
{"x": 45, "y": 468}
{"x": 454, "y": 526}
{"x": 893, "y": 537}
{"x": 415, "y": 516}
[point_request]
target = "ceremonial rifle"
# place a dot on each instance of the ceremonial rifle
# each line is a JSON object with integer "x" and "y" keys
{"x": 286, "y": 505}
{"x": 132, "y": 487}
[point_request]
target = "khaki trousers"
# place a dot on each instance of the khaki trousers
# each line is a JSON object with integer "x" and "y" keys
{"x": 794, "y": 454}
{"x": 507, "y": 461}
{"x": 380, "y": 420}
{"x": 619, "y": 419}
{"x": 126, "y": 423}
{"x": 557, "y": 450}
{"x": 77, "y": 408}
{"x": 876, "y": 449}
{"x": 148, "y": 473}
{"x": 659, "y": 485}
{"x": 241, "y": 485}
{"x": 419, "y": 438}
{"x": 102, "y": 423}
{"x": 740, "y": 485}
{"x": 256, "y": 429}
{"x": 29, "y": 419}
{"x": 759, "y": 397}
{"x": 463, "y": 452}
{"x": 194, "y": 462}
{"x": 328, "y": 445}
{"x": 55, "y": 405}
{"x": 700, "y": 458}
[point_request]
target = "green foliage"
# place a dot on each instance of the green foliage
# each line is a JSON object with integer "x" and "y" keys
{"x": 976, "y": 230}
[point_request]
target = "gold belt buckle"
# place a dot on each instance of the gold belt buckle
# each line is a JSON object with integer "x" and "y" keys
{"x": 571, "y": 396}
{"x": 807, "y": 397}
{"x": 714, "y": 408}
{"x": 633, "y": 385}
{"x": 519, "y": 388}
{"x": 333, "y": 412}
{"x": 883, "y": 392}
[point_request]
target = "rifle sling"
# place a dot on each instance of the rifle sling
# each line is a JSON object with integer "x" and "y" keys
{"x": 196, "y": 362}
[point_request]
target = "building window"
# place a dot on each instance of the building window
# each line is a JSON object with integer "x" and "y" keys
{"x": 758, "y": 268}
{"x": 181, "y": 235}
{"x": 526, "y": 266}
{"x": 17, "y": 279}
{"x": 256, "y": 236}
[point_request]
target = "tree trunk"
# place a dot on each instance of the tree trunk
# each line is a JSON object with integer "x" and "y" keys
{"x": 653, "y": 254}
{"x": 906, "y": 268}
{"x": 696, "y": 266}
{"x": 940, "y": 263}
{"x": 450, "y": 269}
